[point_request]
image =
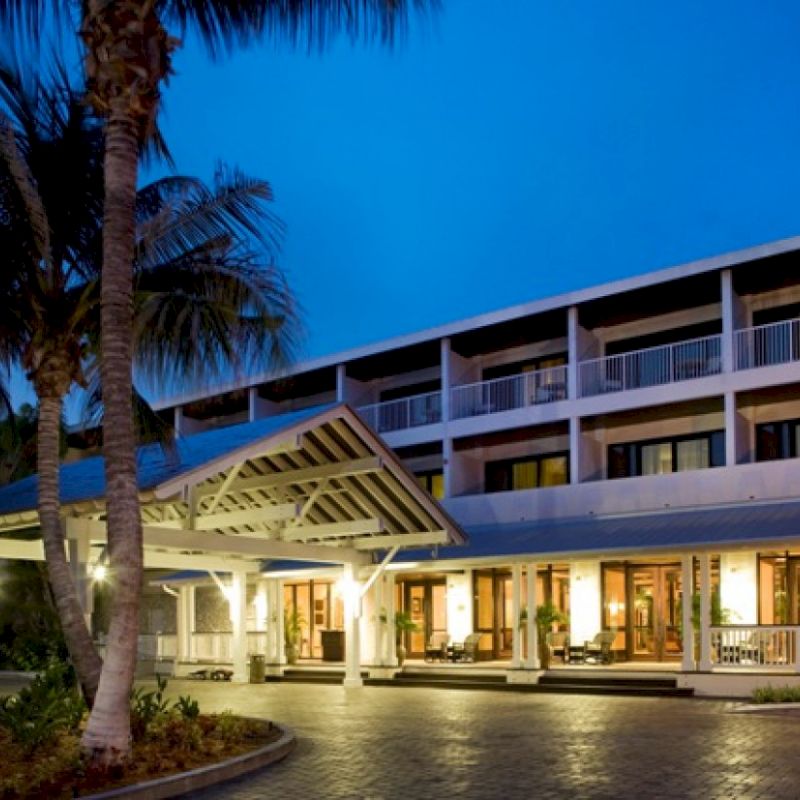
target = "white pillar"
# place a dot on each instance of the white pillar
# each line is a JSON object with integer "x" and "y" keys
{"x": 687, "y": 590}
{"x": 79, "y": 550}
{"x": 516, "y": 607}
{"x": 238, "y": 606}
{"x": 391, "y": 638}
{"x": 352, "y": 628}
{"x": 275, "y": 650}
{"x": 531, "y": 634}
{"x": 705, "y": 612}
{"x": 185, "y": 626}
{"x": 575, "y": 450}
{"x": 378, "y": 624}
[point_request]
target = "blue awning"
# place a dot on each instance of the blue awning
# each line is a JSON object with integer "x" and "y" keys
{"x": 729, "y": 526}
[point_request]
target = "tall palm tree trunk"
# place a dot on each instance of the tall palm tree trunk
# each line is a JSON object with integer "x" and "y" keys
{"x": 79, "y": 641}
{"x": 107, "y": 736}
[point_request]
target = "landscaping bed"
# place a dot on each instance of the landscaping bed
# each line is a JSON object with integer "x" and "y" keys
{"x": 55, "y": 769}
{"x": 40, "y": 731}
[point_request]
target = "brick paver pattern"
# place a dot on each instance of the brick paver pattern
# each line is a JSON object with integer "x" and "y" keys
{"x": 386, "y": 743}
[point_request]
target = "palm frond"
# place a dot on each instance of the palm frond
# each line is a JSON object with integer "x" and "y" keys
{"x": 223, "y": 24}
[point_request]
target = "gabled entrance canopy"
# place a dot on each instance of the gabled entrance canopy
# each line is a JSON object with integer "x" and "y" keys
{"x": 314, "y": 485}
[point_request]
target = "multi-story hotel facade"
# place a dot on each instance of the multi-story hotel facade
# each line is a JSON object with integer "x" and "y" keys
{"x": 608, "y": 451}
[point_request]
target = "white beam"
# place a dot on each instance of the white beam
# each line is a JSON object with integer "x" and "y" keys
{"x": 338, "y": 469}
{"x": 16, "y": 549}
{"x": 379, "y": 571}
{"x": 330, "y": 530}
{"x": 381, "y": 542}
{"x": 223, "y": 489}
{"x": 249, "y": 516}
{"x": 247, "y": 547}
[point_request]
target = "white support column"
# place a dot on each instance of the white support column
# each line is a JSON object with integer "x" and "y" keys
{"x": 352, "y": 629}
{"x": 341, "y": 383}
{"x": 391, "y": 639}
{"x": 275, "y": 653}
{"x": 531, "y": 634}
{"x": 687, "y": 589}
{"x": 573, "y": 354}
{"x": 705, "y": 613}
{"x": 728, "y": 321}
{"x": 378, "y": 625}
{"x": 185, "y": 624}
{"x": 575, "y": 447}
{"x": 79, "y": 549}
{"x": 516, "y": 608}
{"x": 237, "y": 600}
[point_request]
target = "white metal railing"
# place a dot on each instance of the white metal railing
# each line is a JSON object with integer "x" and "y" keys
{"x": 765, "y": 345}
{"x": 762, "y": 646}
{"x": 212, "y": 646}
{"x": 653, "y": 366}
{"x": 508, "y": 393}
{"x": 407, "y": 412}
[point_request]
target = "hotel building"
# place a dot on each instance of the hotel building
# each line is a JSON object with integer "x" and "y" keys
{"x": 610, "y": 451}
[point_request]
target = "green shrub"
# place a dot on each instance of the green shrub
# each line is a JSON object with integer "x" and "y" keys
{"x": 146, "y": 707}
{"x": 37, "y": 713}
{"x": 175, "y": 732}
{"x": 187, "y": 708}
{"x": 777, "y": 694}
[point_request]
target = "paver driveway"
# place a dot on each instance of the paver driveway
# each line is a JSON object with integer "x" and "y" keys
{"x": 385, "y": 743}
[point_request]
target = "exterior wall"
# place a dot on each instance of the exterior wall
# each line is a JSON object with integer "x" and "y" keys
{"x": 459, "y": 605}
{"x": 585, "y": 600}
{"x": 738, "y": 583}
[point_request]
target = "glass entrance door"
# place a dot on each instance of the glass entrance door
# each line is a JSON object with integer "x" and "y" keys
{"x": 654, "y": 603}
{"x": 426, "y": 603}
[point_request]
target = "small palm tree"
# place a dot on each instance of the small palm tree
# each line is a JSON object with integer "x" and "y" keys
{"x": 201, "y": 277}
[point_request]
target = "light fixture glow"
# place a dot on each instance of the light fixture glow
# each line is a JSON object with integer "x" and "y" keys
{"x": 99, "y": 573}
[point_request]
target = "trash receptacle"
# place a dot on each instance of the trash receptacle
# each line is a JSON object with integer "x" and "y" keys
{"x": 332, "y": 645}
{"x": 258, "y": 670}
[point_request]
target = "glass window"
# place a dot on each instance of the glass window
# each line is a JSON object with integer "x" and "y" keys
{"x": 768, "y": 442}
{"x": 553, "y": 471}
{"x": 437, "y": 485}
{"x": 656, "y": 458}
{"x": 692, "y": 454}
{"x": 619, "y": 465}
{"x": 524, "y": 475}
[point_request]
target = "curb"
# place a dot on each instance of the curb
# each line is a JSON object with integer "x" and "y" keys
{"x": 203, "y": 777}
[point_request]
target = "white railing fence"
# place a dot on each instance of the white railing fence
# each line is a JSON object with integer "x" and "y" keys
{"x": 407, "y": 412}
{"x": 211, "y": 647}
{"x": 761, "y": 646}
{"x": 653, "y": 366}
{"x": 508, "y": 393}
{"x": 765, "y": 345}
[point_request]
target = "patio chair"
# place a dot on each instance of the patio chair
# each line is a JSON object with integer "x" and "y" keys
{"x": 436, "y": 648}
{"x": 558, "y": 644}
{"x": 598, "y": 651}
{"x": 468, "y": 651}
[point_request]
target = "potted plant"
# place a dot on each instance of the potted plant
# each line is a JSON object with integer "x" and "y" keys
{"x": 403, "y": 624}
{"x": 547, "y": 616}
{"x": 293, "y": 622}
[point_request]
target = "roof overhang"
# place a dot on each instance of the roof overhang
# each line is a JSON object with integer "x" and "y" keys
{"x": 321, "y": 488}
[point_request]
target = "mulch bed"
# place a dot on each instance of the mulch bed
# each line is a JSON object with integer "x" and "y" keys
{"x": 55, "y": 770}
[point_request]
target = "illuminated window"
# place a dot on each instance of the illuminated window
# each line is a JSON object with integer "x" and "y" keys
{"x": 527, "y": 473}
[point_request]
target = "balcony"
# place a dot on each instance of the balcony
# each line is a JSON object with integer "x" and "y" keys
{"x": 508, "y": 393}
{"x": 407, "y": 412}
{"x": 767, "y": 345}
{"x": 653, "y": 366}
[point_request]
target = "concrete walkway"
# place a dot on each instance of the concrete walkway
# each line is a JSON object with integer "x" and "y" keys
{"x": 386, "y": 743}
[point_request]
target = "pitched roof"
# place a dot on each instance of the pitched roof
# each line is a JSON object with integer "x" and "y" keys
{"x": 85, "y": 480}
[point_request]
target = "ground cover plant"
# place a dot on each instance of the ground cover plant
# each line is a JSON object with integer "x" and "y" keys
{"x": 777, "y": 694}
{"x": 41, "y": 726}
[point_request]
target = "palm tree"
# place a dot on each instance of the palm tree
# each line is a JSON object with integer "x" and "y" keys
{"x": 199, "y": 275}
{"x": 128, "y": 54}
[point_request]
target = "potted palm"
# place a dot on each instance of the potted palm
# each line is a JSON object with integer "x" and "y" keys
{"x": 403, "y": 624}
{"x": 547, "y": 616}
{"x": 292, "y": 631}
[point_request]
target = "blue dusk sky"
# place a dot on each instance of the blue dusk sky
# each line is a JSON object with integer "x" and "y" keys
{"x": 508, "y": 151}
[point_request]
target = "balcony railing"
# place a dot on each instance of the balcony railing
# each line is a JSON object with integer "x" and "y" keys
{"x": 766, "y": 345}
{"x": 653, "y": 366}
{"x": 760, "y": 646}
{"x": 509, "y": 393}
{"x": 407, "y": 412}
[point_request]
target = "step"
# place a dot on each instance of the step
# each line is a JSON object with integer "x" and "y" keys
{"x": 644, "y": 690}
{"x": 607, "y": 680}
{"x": 452, "y": 677}
{"x": 320, "y": 676}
